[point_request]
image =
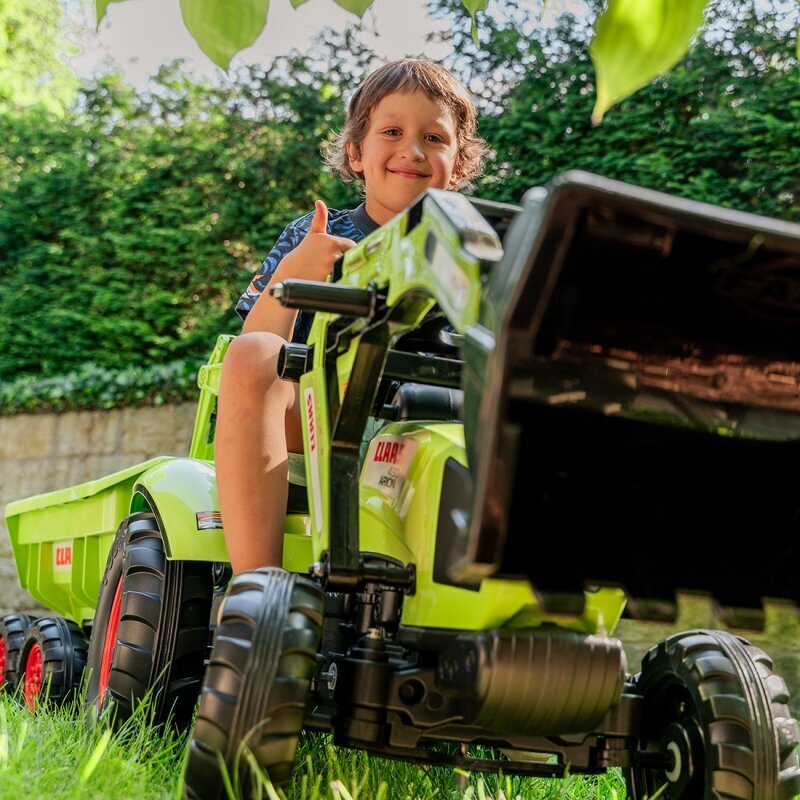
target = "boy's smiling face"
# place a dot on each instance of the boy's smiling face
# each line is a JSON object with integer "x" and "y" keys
{"x": 410, "y": 146}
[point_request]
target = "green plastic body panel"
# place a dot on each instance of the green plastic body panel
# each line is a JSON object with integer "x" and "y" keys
{"x": 404, "y": 527}
{"x": 387, "y": 258}
{"x": 179, "y": 490}
{"x": 61, "y": 539}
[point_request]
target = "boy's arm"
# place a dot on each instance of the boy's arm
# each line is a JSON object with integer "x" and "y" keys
{"x": 311, "y": 260}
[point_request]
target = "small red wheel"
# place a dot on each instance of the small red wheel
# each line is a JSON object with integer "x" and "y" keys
{"x": 33, "y": 675}
{"x": 12, "y": 633}
{"x": 109, "y": 643}
{"x": 51, "y": 660}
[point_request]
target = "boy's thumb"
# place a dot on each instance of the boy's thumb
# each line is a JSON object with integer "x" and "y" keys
{"x": 319, "y": 223}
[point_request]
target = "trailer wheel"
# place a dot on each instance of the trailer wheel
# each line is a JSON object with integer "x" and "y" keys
{"x": 715, "y": 714}
{"x": 150, "y": 632}
{"x": 257, "y": 684}
{"x": 12, "y": 632}
{"x": 51, "y": 660}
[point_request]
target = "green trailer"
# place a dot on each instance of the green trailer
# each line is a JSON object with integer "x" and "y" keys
{"x": 64, "y": 543}
{"x": 519, "y": 423}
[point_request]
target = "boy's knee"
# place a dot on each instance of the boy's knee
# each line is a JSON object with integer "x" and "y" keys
{"x": 252, "y": 358}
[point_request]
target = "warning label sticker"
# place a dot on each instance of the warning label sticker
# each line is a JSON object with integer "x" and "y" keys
{"x": 208, "y": 520}
{"x": 387, "y": 464}
{"x": 313, "y": 455}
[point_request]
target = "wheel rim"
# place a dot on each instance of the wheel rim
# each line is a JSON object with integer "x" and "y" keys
{"x": 109, "y": 643}
{"x": 33, "y": 674}
{"x": 2, "y": 660}
{"x": 683, "y": 741}
{"x": 680, "y": 739}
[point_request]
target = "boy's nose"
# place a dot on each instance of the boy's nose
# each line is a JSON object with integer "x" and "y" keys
{"x": 413, "y": 149}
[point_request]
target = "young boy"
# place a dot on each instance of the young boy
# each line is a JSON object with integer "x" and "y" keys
{"x": 410, "y": 126}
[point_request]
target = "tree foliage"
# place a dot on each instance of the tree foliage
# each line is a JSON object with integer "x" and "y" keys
{"x": 723, "y": 126}
{"x": 636, "y": 39}
{"x": 32, "y": 69}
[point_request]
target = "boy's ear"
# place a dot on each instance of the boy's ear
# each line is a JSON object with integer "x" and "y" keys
{"x": 353, "y": 156}
{"x": 457, "y": 173}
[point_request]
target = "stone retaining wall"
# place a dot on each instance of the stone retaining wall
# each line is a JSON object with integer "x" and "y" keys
{"x": 43, "y": 452}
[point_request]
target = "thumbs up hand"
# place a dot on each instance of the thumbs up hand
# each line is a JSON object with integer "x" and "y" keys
{"x": 319, "y": 222}
{"x": 313, "y": 258}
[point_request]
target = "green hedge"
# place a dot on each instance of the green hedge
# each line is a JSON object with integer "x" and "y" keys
{"x": 129, "y": 227}
{"x": 92, "y": 387}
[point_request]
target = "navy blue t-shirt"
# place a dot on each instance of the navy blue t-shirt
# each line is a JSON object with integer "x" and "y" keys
{"x": 353, "y": 224}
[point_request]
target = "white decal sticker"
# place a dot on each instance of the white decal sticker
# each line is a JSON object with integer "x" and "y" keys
{"x": 388, "y": 461}
{"x": 313, "y": 456}
{"x": 451, "y": 276}
{"x": 62, "y": 556}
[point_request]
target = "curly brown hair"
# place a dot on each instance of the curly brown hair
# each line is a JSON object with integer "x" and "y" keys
{"x": 408, "y": 75}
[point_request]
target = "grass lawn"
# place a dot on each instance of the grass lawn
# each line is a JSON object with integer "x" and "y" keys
{"x": 60, "y": 754}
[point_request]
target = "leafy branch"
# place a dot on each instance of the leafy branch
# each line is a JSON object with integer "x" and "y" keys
{"x": 636, "y": 39}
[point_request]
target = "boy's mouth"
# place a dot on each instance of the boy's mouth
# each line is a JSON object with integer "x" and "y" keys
{"x": 408, "y": 173}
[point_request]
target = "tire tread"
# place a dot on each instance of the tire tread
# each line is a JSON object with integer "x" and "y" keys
{"x": 734, "y": 691}
{"x": 267, "y": 714}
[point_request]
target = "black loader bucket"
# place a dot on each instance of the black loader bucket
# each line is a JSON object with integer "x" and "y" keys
{"x": 632, "y": 403}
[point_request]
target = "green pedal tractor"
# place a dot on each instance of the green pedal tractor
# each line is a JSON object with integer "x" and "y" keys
{"x": 519, "y": 424}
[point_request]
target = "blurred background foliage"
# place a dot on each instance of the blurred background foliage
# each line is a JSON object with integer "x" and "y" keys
{"x": 130, "y": 221}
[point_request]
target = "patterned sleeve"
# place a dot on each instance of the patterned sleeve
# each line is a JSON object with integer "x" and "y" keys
{"x": 292, "y": 236}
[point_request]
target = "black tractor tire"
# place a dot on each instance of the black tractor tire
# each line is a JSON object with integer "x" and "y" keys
{"x": 51, "y": 661}
{"x": 12, "y": 632}
{"x": 258, "y": 683}
{"x": 150, "y": 632}
{"x": 715, "y": 708}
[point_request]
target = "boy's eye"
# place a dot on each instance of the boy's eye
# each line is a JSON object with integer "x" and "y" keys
{"x": 434, "y": 137}
{"x": 392, "y": 131}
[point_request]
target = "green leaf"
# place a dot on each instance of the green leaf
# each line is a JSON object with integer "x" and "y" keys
{"x": 101, "y": 7}
{"x": 298, "y": 3}
{"x": 637, "y": 40}
{"x": 474, "y": 6}
{"x": 357, "y": 7}
{"x": 222, "y": 32}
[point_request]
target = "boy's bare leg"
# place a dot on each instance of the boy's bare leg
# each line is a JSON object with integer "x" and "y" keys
{"x": 258, "y": 421}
